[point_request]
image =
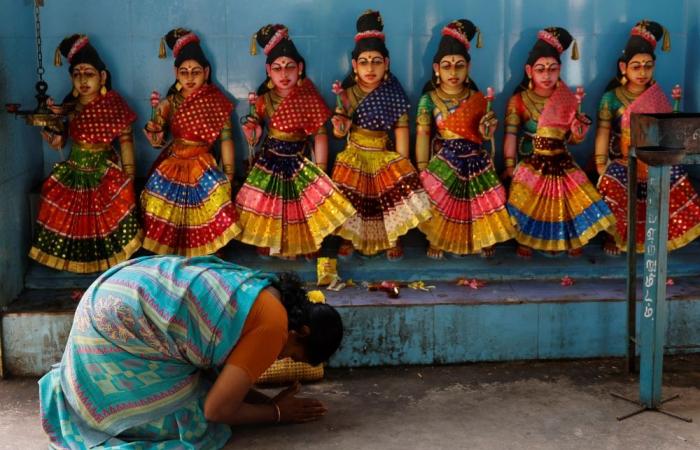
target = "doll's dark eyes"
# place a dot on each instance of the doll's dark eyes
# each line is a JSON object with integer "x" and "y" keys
{"x": 637, "y": 66}
{"x": 280, "y": 67}
{"x": 364, "y": 62}
{"x": 457, "y": 66}
{"x": 540, "y": 69}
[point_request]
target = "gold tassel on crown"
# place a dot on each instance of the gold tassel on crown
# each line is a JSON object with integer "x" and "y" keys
{"x": 253, "y": 45}
{"x": 161, "y": 50}
{"x": 479, "y": 40}
{"x": 574, "y": 51}
{"x": 57, "y": 57}
{"x": 666, "y": 47}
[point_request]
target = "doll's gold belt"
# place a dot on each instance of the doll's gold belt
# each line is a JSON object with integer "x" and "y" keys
{"x": 548, "y": 146}
{"x": 284, "y": 136}
{"x": 93, "y": 147}
{"x": 368, "y": 140}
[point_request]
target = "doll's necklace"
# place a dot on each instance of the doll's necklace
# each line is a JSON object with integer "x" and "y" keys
{"x": 462, "y": 94}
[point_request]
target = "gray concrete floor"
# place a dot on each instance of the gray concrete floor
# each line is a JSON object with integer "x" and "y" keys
{"x": 528, "y": 405}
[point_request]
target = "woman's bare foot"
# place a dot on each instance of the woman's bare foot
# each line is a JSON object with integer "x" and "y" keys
{"x": 433, "y": 253}
{"x": 345, "y": 250}
{"x": 523, "y": 251}
{"x": 575, "y": 252}
{"x": 394, "y": 253}
{"x": 610, "y": 248}
{"x": 488, "y": 252}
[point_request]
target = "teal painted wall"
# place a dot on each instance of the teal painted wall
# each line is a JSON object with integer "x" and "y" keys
{"x": 127, "y": 33}
{"x": 20, "y": 147}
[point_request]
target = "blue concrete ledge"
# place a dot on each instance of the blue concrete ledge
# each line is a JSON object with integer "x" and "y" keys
{"x": 502, "y": 321}
{"x": 522, "y": 313}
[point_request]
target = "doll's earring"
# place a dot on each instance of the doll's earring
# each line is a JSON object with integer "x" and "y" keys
{"x": 529, "y": 84}
{"x": 270, "y": 84}
{"x": 178, "y": 86}
{"x": 355, "y": 77}
{"x": 300, "y": 80}
{"x": 75, "y": 93}
{"x": 103, "y": 90}
{"x": 386, "y": 76}
{"x": 623, "y": 79}
{"x": 437, "y": 78}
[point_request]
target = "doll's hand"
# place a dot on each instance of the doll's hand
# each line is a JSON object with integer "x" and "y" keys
{"x": 341, "y": 125}
{"x": 579, "y": 127}
{"x": 298, "y": 410}
{"x": 488, "y": 125}
{"x": 54, "y": 140}
{"x": 600, "y": 167}
{"x": 154, "y": 133}
{"x": 507, "y": 174}
{"x": 252, "y": 131}
{"x": 53, "y": 107}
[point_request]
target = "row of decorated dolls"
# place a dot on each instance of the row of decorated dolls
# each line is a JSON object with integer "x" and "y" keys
{"x": 88, "y": 217}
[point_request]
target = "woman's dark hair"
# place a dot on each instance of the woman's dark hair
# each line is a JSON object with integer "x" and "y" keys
{"x": 323, "y": 320}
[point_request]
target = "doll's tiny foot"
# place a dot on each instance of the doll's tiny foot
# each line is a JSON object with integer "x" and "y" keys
{"x": 610, "y": 248}
{"x": 263, "y": 252}
{"x": 311, "y": 256}
{"x": 523, "y": 252}
{"x": 488, "y": 252}
{"x": 345, "y": 250}
{"x": 575, "y": 252}
{"x": 394, "y": 253}
{"x": 432, "y": 253}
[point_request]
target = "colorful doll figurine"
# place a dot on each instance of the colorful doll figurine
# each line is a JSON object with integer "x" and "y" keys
{"x": 469, "y": 202}
{"x": 553, "y": 204}
{"x": 633, "y": 90}
{"x": 288, "y": 205}
{"x": 87, "y": 217}
{"x": 186, "y": 203}
{"x": 381, "y": 183}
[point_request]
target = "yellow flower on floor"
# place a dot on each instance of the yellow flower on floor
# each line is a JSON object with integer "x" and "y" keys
{"x": 316, "y": 296}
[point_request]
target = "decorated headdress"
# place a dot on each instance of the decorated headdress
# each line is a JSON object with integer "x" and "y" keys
{"x": 78, "y": 50}
{"x": 552, "y": 42}
{"x": 370, "y": 34}
{"x": 185, "y": 45}
{"x": 455, "y": 40}
{"x": 643, "y": 39}
{"x": 275, "y": 42}
{"x": 456, "y": 37}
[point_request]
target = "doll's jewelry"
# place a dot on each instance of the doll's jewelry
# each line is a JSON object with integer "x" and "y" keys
{"x": 509, "y": 162}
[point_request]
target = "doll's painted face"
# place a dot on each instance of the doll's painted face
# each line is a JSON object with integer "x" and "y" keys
{"x": 87, "y": 80}
{"x": 639, "y": 70}
{"x": 453, "y": 71}
{"x": 544, "y": 73}
{"x": 191, "y": 76}
{"x": 284, "y": 72}
{"x": 370, "y": 67}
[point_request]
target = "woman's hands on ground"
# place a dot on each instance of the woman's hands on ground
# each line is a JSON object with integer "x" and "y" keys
{"x": 295, "y": 409}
